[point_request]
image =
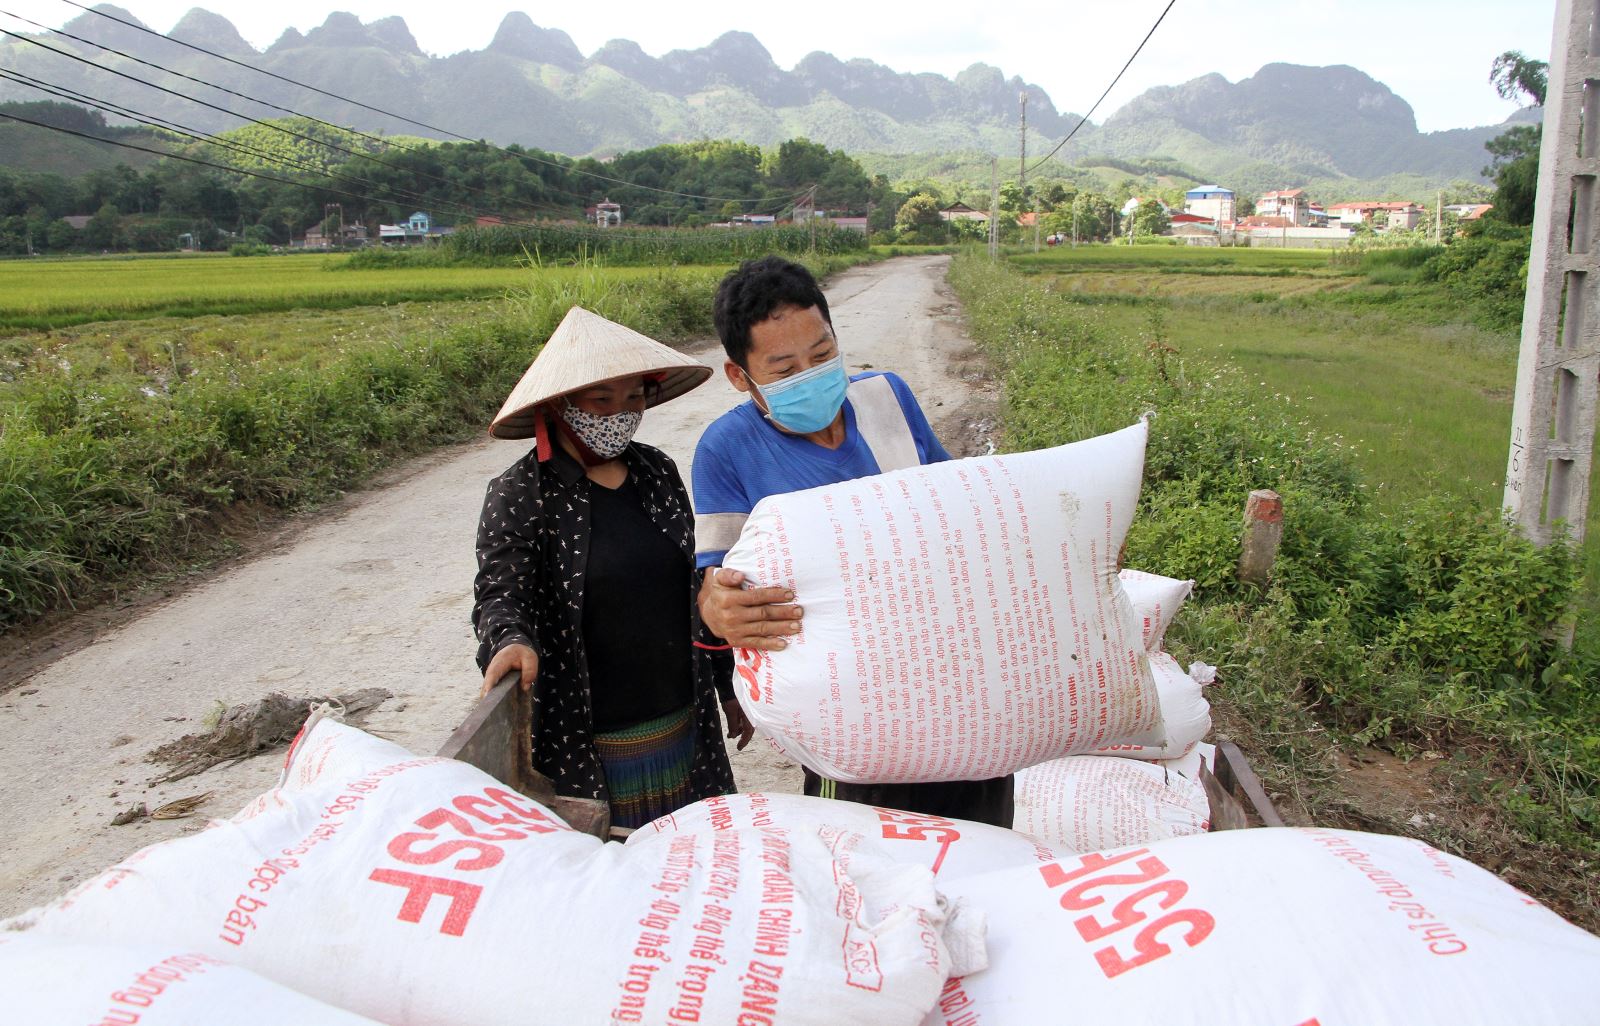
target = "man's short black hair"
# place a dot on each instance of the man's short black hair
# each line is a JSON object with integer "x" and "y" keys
{"x": 751, "y": 291}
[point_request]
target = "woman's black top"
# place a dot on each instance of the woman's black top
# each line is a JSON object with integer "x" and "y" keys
{"x": 636, "y": 628}
{"x": 534, "y": 560}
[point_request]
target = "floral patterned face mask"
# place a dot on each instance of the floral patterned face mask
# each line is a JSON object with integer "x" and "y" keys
{"x": 605, "y": 435}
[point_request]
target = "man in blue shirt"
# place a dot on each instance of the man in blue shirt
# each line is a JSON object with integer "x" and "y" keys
{"x": 807, "y": 423}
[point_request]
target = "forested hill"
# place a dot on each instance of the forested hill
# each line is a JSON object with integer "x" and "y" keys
{"x": 531, "y": 85}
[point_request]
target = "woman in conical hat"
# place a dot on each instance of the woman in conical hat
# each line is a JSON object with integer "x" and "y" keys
{"x": 586, "y": 582}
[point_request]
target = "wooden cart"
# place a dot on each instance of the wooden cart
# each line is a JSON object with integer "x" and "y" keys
{"x": 497, "y": 738}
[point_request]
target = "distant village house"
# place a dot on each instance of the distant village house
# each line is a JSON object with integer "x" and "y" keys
{"x": 604, "y": 214}
{"x": 417, "y": 229}
{"x": 1379, "y": 215}
{"x": 1290, "y": 204}
{"x": 962, "y": 212}
{"x": 854, "y": 224}
{"x": 1210, "y": 201}
{"x": 350, "y": 236}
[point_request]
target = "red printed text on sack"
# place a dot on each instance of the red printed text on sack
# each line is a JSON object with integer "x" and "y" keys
{"x": 465, "y": 837}
{"x": 1139, "y": 890}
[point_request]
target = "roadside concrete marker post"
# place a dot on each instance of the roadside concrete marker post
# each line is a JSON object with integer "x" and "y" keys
{"x": 1558, "y": 369}
{"x": 1263, "y": 531}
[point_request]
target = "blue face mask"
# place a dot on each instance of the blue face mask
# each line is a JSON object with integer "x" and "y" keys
{"x": 808, "y": 401}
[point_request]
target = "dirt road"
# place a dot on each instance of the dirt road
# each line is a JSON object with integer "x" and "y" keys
{"x": 377, "y": 593}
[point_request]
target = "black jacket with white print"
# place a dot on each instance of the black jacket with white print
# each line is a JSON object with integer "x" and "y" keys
{"x": 533, "y": 546}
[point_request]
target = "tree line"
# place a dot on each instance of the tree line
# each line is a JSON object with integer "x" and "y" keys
{"x": 268, "y": 183}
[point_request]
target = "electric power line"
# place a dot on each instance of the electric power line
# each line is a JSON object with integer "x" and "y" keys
{"x": 759, "y": 203}
{"x": 1085, "y": 119}
{"x": 256, "y": 121}
{"x": 286, "y": 162}
{"x": 402, "y": 117}
{"x": 445, "y": 207}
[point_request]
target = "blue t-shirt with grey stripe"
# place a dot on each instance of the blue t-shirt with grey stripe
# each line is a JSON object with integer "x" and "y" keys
{"x": 742, "y": 459}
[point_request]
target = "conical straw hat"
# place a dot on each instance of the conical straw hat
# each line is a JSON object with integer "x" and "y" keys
{"x": 587, "y": 349}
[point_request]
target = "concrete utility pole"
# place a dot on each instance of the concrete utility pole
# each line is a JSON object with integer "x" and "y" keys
{"x": 1022, "y": 157}
{"x": 328, "y": 210}
{"x": 994, "y": 207}
{"x": 1558, "y": 370}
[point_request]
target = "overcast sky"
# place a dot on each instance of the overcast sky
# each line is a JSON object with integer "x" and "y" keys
{"x": 1435, "y": 54}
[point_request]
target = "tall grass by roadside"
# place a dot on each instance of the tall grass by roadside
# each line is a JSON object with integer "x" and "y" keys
{"x": 623, "y": 246}
{"x": 1429, "y": 630}
{"x": 110, "y": 467}
{"x": 1179, "y": 260}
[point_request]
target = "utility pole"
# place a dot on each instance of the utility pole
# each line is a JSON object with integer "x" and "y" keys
{"x": 1558, "y": 368}
{"x": 338, "y": 233}
{"x": 994, "y": 207}
{"x": 1022, "y": 157}
{"x": 1438, "y": 218}
{"x": 1036, "y": 223}
{"x": 1075, "y": 222}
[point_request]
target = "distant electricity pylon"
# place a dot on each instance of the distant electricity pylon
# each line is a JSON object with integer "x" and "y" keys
{"x": 1558, "y": 369}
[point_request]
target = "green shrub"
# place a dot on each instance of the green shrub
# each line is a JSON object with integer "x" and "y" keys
{"x": 1471, "y": 598}
{"x": 1486, "y": 266}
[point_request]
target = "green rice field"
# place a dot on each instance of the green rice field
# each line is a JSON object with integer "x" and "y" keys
{"x": 44, "y": 294}
{"x": 1419, "y": 391}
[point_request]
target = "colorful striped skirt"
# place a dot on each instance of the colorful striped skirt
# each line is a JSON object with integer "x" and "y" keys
{"x": 647, "y": 767}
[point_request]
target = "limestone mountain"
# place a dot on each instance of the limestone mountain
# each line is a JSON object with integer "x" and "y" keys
{"x": 532, "y": 85}
{"x": 1304, "y": 122}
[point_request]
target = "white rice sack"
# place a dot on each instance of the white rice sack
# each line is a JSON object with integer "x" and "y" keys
{"x": 52, "y": 982}
{"x": 1089, "y": 802}
{"x": 962, "y": 620}
{"x": 1270, "y": 927}
{"x": 421, "y": 892}
{"x": 1189, "y": 765}
{"x": 1184, "y": 710}
{"x": 1156, "y": 600}
{"x": 949, "y": 847}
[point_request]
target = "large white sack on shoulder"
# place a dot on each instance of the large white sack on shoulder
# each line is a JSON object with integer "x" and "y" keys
{"x": 1156, "y": 600}
{"x": 1089, "y": 802}
{"x": 1270, "y": 927}
{"x": 421, "y": 892}
{"x": 949, "y": 847}
{"x": 1184, "y": 710}
{"x": 962, "y": 619}
{"x": 52, "y": 982}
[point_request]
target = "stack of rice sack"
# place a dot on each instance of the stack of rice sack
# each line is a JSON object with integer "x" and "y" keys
{"x": 966, "y": 620}
{"x": 1258, "y": 927}
{"x": 422, "y": 892}
{"x": 1132, "y": 793}
{"x": 1268, "y": 927}
{"x": 963, "y": 620}
{"x": 949, "y": 848}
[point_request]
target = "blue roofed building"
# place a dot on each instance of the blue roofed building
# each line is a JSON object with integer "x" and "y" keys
{"x": 1211, "y": 201}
